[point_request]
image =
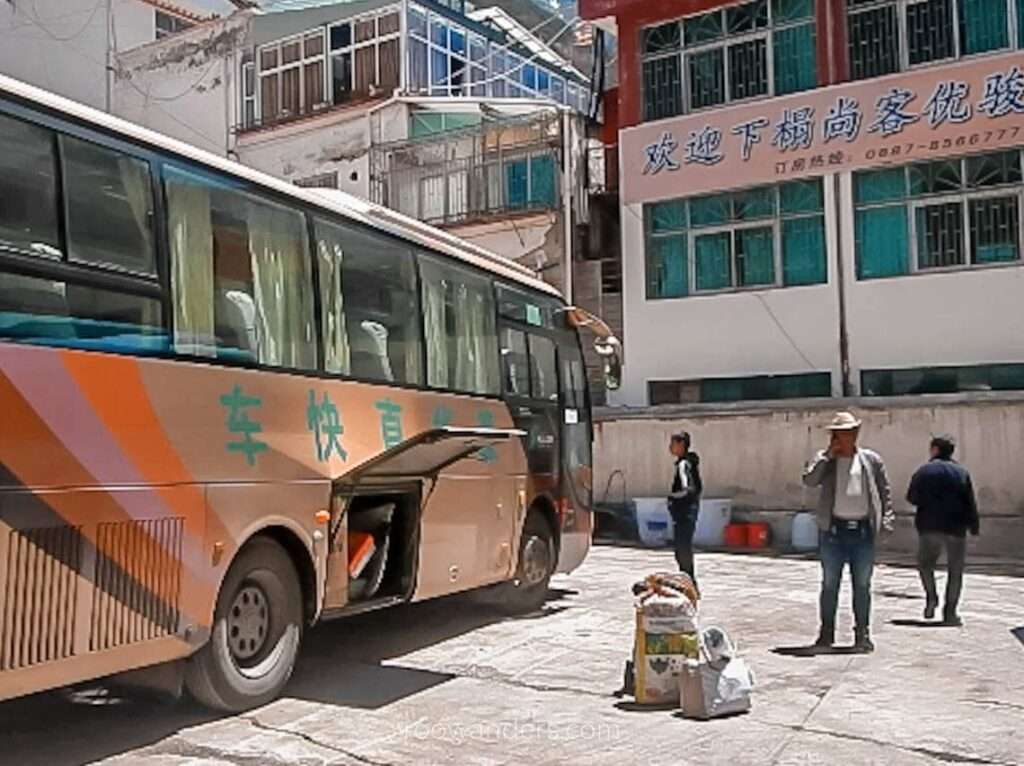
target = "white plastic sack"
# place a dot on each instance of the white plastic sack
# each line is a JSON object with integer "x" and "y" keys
{"x": 735, "y": 683}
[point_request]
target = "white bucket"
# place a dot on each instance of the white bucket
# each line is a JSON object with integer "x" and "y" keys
{"x": 805, "y": 532}
{"x": 653, "y": 522}
{"x": 715, "y": 515}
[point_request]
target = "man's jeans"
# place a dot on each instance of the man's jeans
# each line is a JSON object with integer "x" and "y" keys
{"x": 684, "y": 523}
{"x": 841, "y": 546}
{"x": 930, "y": 547}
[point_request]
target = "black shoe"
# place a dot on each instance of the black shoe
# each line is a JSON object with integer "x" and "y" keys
{"x": 952, "y": 621}
{"x": 863, "y": 643}
{"x": 929, "y": 609}
{"x": 826, "y": 639}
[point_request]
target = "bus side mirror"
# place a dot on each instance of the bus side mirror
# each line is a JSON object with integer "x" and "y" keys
{"x": 608, "y": 350}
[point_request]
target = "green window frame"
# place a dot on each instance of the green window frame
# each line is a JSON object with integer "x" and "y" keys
{"x": 423, "y": 124}
{"x": 959, "y": 213}
{"x": 531, "y": 182}
{"x": 757, "y": 49}
{"x": 911, "y": 381}
{"x": 768, "y": 236}
{"x": 804, "y": 385}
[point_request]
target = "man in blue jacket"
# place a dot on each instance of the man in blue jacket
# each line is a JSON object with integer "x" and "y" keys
{"x": 946, "y": 510}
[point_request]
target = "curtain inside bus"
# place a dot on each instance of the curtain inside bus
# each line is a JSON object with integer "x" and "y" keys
{"x": 459, "y": 324}
{"x": 188, "y": 221}
{"x": 331, "y": 256}
{"x": 241, "y": 276}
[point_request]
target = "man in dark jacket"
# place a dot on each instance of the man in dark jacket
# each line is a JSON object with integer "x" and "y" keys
{"x": 684, "y": 502}
{"x": 946, "y": 509}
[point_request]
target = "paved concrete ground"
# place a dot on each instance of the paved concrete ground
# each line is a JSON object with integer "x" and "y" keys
{"x": 442, "y": 683}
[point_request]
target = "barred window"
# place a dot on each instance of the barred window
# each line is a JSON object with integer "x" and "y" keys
{"x": 769, "y": 236}
{"x": 887, "y": 36}
{"x": 759, "y": 48}
{"x": 954, "y": 213}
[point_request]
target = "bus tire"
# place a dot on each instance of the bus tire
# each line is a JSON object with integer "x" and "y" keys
{"x": 528, "y": 591}
{"x": 257, "y": 629}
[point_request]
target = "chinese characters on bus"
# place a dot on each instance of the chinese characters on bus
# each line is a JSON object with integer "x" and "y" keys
{"x": 325, "y": 425}
{"x": 241, "y": 426}
{"x": 324, "y": 420}
{"x": 800, "y": 129}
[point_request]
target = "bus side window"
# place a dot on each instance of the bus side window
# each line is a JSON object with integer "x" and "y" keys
{"x": 543, "y": 370}
{"x": 459, "y": 324}
{"x": 370, "y": 318}
{"x": 53, "y": 310}
{"x": 110, "y": 207}
{"x": 515, "y": 362}
{"x": 28, "y": 190}
{"x": 241, "y": 276}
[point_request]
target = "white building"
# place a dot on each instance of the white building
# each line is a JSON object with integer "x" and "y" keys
{"x": 464, "y": 120}
{"x": 65, "y": 46}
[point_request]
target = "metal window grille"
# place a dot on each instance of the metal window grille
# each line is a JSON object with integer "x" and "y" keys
{"x": 940, "y": 235}
{"x": 964, "y": 212}
{"x": 874, "y": 42}
{"x": 930, "y": 31}
{"x": 892, "y": 35}
{"x": 663, "y": 93}
{"x": 320, "y": 181}
{"x": 727, "y": 55}
{"x": 755, "y": 239}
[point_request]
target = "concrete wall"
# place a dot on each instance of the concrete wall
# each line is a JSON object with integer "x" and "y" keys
{"x": 533, "y": 240}
{"x": 754, "y": 455}
{"x": 972, "y": 316}
{"x": 58, "y": 45}
{"x": 185, "y": 86}
{"x": 752, "y": 332}
{"x": 62, "y": 45}
{"x": 967, "y": 316}
{"x": 335, "y": 142}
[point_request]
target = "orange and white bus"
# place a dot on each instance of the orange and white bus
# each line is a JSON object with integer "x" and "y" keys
{"x": 232, "y": 407}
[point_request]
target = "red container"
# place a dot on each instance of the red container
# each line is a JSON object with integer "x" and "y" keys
{"x": 759, "y": 535}
{"x": 736, "y": 535}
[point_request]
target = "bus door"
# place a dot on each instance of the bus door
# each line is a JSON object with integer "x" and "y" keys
{"x": 576, "y": 450}
{"x": 531, "y": 391}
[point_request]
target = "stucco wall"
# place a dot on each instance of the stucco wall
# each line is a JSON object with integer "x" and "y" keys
{"x": 337, "y": 142}
{"x": 58, "y": 45}
{"x": 753, "y": 332}
{"x": 973, "y": 316}
{"x": 958, "y": 317}
{"x": 754, "y": 455}
{"x": 185, "y": 86}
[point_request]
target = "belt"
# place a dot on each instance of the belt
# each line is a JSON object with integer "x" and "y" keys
{"x": 840, "y": 526}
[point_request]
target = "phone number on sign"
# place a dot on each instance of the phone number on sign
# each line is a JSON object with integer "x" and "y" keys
{"x": 981, "y": 138}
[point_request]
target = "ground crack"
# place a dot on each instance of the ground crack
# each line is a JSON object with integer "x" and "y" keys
{"x": 482, "y": 673}
{"x": 994, "y": 703}
{"x": 256, "y": 723}
{"x": 940, "y": 755}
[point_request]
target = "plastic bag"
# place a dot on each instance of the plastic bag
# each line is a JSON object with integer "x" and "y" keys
{"x": 666, "y": 636}
{"x": 718, "y": 645}
{"x": 719, "y": 682}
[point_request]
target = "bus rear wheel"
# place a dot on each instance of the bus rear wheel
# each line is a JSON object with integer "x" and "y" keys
{"x": 529, "y": 590}
{"x": 257, "y": 628}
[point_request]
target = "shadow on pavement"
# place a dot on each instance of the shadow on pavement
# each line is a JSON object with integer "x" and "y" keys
{"x": 910, "y": 623}
{"x": 341, "y": 664}
{"x": 806, "y": 652}
{"x": 1018, "y": 633}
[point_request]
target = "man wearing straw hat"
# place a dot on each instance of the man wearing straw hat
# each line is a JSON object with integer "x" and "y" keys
{"x": 854, "y": 509}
